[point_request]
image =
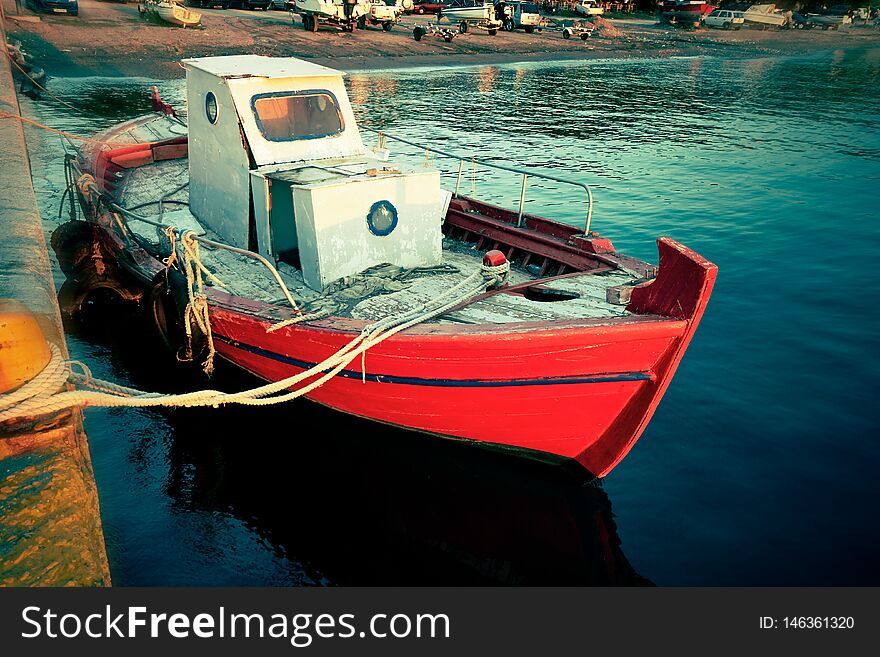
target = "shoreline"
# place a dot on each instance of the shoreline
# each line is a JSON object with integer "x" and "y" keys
{"x": 416, "y": 63}
{"x": 110, "y": 40}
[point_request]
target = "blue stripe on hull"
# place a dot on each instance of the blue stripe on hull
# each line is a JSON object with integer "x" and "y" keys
{"x": 614, "y": 377}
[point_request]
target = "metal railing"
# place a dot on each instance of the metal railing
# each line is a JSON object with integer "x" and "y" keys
{"x": 525, "y": 173}
{"x": 217, "y": 245}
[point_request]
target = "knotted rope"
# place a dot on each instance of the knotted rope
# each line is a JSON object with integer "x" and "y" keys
{"x": 45, "y": 395}
{"x": 197, "y": 305}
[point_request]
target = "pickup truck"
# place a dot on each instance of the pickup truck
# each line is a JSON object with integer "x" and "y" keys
{"x": 382, "y": 14}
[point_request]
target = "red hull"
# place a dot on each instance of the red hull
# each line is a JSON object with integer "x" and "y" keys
{"x": 686, "y": 12}
{"x": 582, "y": 389}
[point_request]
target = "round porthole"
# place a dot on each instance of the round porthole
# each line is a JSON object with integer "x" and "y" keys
{"x": 382, "y": 218}
{"x": 211, "y": 107}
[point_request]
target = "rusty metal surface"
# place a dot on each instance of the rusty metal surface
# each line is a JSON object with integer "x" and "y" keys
{"x": 50, "y": 527}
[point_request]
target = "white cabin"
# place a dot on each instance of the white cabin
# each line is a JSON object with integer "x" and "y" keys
{"x": 277, "y": 165}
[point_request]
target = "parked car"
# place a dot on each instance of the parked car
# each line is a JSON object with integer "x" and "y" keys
{"x": 69, "y": 7}
{"x": 250, "y": 4}
{"x": 428, "y": 6}
{"x": 800, "y": 22}
{"x": 209, "y": 4}
{"x": 277, "y": 4}
{"x": 836, "y": 10}
{"x": 588, "y": 8}
{"x": 725, "y": 19}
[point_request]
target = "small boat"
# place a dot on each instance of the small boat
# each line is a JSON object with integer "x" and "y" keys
{"x": 685, "y": 11}
{"x": 311, "y": 238}
{"x": 765, "y": 16}
{"x": 339, "y": 13}
{"x": 321, "y": 8}
{"x": 829, "y": 21}
{"x": 470, "y": 10}
{"x": 173, "y": 13}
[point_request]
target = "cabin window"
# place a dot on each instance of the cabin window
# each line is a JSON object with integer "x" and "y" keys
{"x": 211, "y": 110}
{"x": 289, "y": 116}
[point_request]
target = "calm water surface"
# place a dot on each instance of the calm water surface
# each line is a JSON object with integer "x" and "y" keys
{"x": 760, "y": 466}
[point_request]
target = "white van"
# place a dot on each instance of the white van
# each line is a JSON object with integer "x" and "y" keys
{"x": 725, "y": 19}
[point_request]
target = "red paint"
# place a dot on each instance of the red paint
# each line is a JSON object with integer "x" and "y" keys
{"x": 158, "y": 104}
{"x": 577, "y": 389}
{"x": 593, "y": 243}
{"x": 134, "y": 159}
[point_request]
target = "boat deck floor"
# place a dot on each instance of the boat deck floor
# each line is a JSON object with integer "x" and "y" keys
{"x": 373, "y": 294}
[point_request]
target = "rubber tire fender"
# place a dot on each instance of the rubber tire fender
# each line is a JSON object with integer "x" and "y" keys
{"x": 164, "y": 305}
{"x": 72, "y": 243}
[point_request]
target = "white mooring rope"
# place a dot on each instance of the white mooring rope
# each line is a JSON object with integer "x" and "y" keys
{"x": 45, "y": 393}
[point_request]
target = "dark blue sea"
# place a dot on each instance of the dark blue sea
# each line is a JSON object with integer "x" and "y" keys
{"x": 761, "y": 464}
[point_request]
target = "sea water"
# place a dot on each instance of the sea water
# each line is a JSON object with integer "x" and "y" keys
{"x": 760, "y": 465}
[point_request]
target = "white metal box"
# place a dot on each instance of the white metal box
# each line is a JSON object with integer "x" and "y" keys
{"x": 345, "y": 225}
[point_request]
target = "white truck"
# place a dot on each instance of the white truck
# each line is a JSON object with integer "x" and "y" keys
{"x": 518, "y": 15}
{"x": 385, "y": 14}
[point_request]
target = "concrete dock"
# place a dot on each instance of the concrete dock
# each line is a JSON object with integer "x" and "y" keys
{"x": 50, "y": 527}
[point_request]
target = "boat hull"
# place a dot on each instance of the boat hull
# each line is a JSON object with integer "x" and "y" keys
{"x": 480, "y": 13}
{"x": 583, "y": 391}
{"x": 518, "y": 399}
{"x": 685, "y": 12}
{"x": 763, "y": 19}
{"x": 179, "y": 16}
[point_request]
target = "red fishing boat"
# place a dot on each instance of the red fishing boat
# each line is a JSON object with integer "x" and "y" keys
{"x": 685, "y": 11}
{"x": 563, "y": 354}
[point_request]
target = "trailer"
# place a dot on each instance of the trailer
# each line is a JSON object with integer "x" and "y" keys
{"x": 431, "y": 29}
{"x": 582, "y": 29}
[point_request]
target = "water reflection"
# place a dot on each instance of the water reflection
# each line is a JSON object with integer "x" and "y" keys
{"x": 344, "y": 501}
{"x": 361, "y": 88}
{"x": 487, "y": 78}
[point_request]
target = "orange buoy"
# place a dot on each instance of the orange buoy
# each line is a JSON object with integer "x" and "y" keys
{"x": 24, "y": 352}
